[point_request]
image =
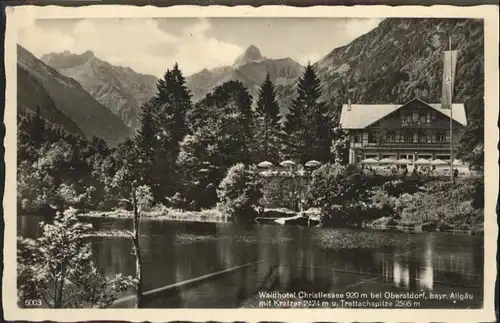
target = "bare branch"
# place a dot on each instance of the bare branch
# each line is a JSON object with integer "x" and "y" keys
{"x": 45, "y": 299}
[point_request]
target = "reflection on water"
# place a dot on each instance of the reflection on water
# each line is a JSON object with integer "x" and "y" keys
{"x": 426, "y": 278}
{"x": 292, "y": 258}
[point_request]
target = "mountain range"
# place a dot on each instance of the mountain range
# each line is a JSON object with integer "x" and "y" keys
{"x": 395, "y": 62}
{"x": 120, "y": 89}
{"x": 250, "y": 68}
{"x": 63, "y": 101}
{"x": 399, "y": 60}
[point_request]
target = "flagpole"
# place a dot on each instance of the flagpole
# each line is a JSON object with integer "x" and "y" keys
{"x": 451, "y": 110}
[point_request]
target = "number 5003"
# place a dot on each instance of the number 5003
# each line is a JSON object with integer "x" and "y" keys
{"x": 33, "y": 302}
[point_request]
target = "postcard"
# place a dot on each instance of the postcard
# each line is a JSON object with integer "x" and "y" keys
{"x": 240, "y": 163}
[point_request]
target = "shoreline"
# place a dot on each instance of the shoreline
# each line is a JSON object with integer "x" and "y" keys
{"x": 208, "y": 216}
{"x": 419, "y": 228}
{"x": 191, "y": 216}
{"x": 215, "y": 216}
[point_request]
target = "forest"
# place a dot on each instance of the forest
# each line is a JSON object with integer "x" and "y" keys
{"x": 203, "y": 155}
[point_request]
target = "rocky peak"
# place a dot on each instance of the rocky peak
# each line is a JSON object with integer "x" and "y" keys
{"x": 87, "y": 54}
{"x": 251, "y": 54}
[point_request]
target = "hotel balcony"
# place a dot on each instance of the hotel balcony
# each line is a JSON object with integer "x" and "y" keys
{"x": 409, "y": 145}
{"x": 415, "y": 124}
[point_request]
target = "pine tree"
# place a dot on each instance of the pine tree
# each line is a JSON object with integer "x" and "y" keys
{"x": 244, "y": 105}
{"x": 268, "y": 111}
{"x": 38, "y": 128}
{"x": 172, "y": 102}
{"x": 235, "y": 121}
{"x": 339, "y": 150}
{"x": 223, "y": 137}
{"x": 145, "y": 144}
{"x": 321, "y": 140}
{"x": 170, "y": 106}
{"x": 181, "y": 104}
{"x": 307, "y": 123}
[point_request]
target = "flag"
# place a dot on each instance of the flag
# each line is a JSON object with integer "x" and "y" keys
{"x": 449, "y": 68}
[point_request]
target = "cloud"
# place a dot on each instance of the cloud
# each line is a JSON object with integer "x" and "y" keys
{"x": 357, "y": 27}
{"x": 151, "y": 46}
{"x": 35, "y": 38}
{"x": 200, "y": 28}
{"x": 312, "y": 58}
{"x": 208, "y": 51}
{"x": 137, "y": 43}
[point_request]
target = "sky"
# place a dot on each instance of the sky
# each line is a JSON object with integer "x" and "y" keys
{"x": 150, "y": 46}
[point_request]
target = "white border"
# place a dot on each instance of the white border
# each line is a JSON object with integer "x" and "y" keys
{"x": 15, "y": 17}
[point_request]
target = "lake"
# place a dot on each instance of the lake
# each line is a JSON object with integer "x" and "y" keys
{"x": 366, "y": 265}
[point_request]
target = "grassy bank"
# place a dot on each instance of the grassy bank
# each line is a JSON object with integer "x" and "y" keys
{"x": 163, "y": 213}
{"x": 438, "y": 206}
{"x": 350, "y": 197}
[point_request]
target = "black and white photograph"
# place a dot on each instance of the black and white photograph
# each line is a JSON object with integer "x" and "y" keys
{"x": 248, "y": 162}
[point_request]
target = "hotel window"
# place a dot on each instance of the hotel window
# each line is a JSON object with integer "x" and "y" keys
{"x": 406, "y": 156}
{"x": 433, "y": 115}
{"x": 372, "y": 137}
{"x": 415, "y": 116}
{"x": 443, "y": 157}
{"x": 422, "y": 116}
{"x": 405, "y": 116}
{"x": 391, "y": 136}
{"x": 408, "y": 136}
{"x": 398, "y": 136}
{"x": 422, "y": 137}
{"x": 357, "y": 138}
{"x": 440, "y": 135}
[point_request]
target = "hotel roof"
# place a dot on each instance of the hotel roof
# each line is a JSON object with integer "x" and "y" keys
{"x": 361, "y": 116}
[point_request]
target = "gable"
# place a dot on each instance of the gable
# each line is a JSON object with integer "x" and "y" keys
{"x": 360, "y": 116}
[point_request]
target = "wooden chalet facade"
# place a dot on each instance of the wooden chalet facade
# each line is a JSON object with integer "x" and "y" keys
{"x": 412, "y": 130}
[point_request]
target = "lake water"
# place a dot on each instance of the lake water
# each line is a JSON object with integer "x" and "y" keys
{"x": 291, "y": 259}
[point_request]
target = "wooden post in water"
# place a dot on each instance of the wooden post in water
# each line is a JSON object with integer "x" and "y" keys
{"x": 137, "y": 250}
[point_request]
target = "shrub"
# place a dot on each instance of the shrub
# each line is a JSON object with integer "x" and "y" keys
{"x": 355, "y": 213}
{"x": 343, "y": 195}
{"x": 398, "y": 187}
{"x": 282, "y": 190}
{"x": 449, "y": 205}
{"x": 58, "y": 268}
{"x": 383, "y": 204}
{"x": 144, "y": 198}
{"x": 239, "y": 193}
{"x": 347, "y": 196}
{"x": 478, "y": 197}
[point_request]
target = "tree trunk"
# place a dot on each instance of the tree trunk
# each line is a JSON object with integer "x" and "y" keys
{"x": 265, "y": 139}
{"x": 59, "y": 299}
{"x": 137, "y": 252}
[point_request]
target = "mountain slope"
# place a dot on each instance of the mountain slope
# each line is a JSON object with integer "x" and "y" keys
{"x": 26, "y": 83}
{"x": 250, "y": 68}
{"x": 120, "y": 89}
{"x": 64, "y": 100}
{"x": 396, "y": 62}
